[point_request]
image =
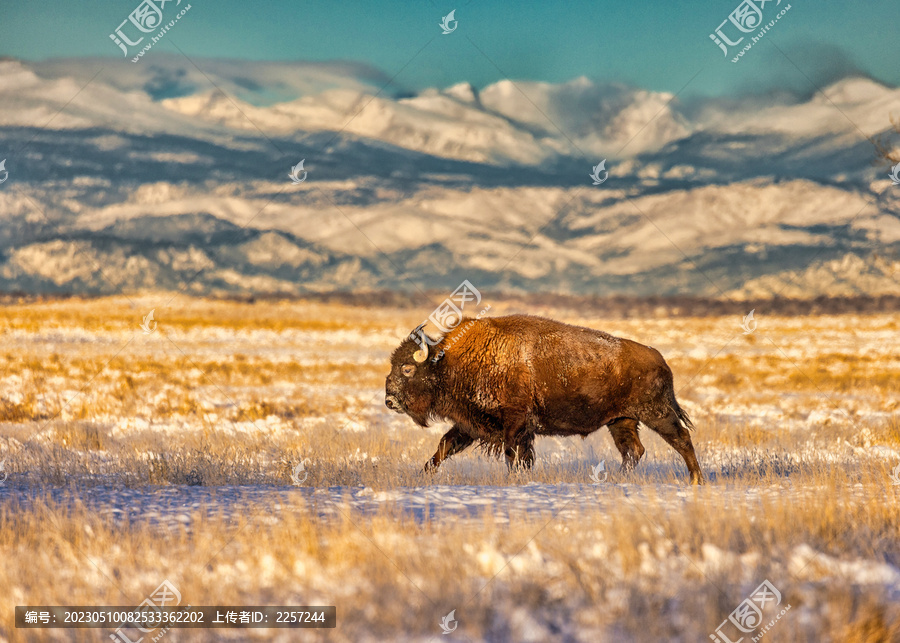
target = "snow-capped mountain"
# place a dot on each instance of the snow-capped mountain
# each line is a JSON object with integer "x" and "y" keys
{"x": 159, "y": 177}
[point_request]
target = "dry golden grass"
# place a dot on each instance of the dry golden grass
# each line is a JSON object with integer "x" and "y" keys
{"x": 789, "y": 420}
{"x": 644, "y": 572}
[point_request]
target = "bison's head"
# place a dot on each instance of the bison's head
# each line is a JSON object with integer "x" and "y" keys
{"x": 410, "y": 386}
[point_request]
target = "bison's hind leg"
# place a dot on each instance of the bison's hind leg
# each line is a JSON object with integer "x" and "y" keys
{"x": 671, "y": 429}
{"x": 624, "y": 433}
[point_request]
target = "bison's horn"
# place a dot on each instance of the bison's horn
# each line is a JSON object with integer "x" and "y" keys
{"x": 415, "y": 332}
{"x": 419, "y": 337}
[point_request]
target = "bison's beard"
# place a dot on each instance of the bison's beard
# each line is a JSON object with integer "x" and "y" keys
{"x": 422, "y": 419}
{"x": 420, "y": 413}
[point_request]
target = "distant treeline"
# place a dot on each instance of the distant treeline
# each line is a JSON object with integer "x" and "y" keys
{"x": 615, "y": 307}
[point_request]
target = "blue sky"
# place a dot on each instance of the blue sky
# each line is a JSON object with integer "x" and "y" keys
{"x": 652, "y": 44}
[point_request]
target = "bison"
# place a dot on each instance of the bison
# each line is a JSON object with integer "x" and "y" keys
{"x": 503, "y": 380}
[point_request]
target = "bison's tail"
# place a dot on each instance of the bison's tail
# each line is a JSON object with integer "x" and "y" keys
{"x": 683, "y": 417}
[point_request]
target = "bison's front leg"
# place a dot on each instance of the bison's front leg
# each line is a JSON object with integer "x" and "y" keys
{"x": 520, "y": 455}
{"x": 454, "y": 441}
{"x": 518, "y": 437}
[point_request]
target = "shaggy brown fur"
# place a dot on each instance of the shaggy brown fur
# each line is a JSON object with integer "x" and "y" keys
{"x": 503, "y": 380}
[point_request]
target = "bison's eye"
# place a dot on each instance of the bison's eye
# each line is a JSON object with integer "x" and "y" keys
{"x": 408, "y": 370}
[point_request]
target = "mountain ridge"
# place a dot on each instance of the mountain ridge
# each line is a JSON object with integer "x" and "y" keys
{"x": 422, "y": 191}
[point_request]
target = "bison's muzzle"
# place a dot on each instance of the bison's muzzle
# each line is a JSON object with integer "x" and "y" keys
{"x": 393, "y": 403}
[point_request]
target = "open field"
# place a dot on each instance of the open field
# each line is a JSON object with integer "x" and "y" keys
{"x": 133, "y": 458}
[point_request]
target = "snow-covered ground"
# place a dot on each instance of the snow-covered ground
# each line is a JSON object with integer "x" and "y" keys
{"x": 129, "y": 458}
{"x": 174, "y": 506}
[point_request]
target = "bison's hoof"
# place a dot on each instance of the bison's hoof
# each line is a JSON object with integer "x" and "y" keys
{"x": 519, "y": 467}
{"x": 697, "y": 478}
{"x": 430, "y": 467}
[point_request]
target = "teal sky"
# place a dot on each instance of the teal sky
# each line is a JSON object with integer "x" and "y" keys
{"x": 652, "y": 44}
